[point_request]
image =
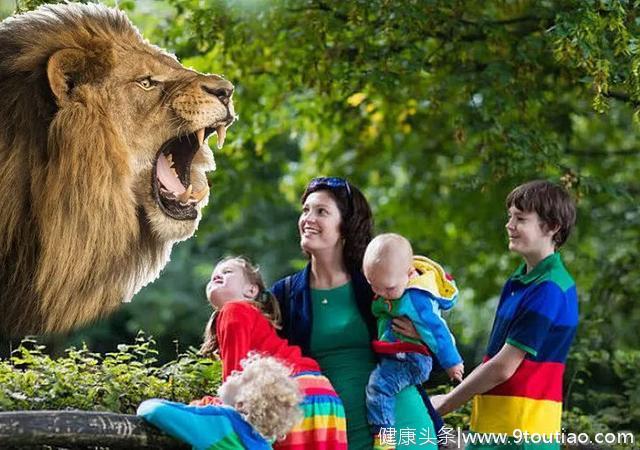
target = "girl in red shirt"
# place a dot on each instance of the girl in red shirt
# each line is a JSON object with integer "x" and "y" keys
{"x": 245, "y": 320}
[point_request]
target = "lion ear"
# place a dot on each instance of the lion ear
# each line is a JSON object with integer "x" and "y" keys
{"x": 64, "y": 70}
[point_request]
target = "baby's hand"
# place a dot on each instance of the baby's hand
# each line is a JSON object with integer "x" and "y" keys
{"x": 207, "y": 400}
{"x": 456, "y": 372}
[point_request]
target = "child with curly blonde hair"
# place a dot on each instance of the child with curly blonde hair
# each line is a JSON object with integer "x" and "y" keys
{"x": 245, "y": 320}
{"x": 256, "y": 406}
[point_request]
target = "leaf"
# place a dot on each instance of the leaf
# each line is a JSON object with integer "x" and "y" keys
{"x": 356, "y": 99}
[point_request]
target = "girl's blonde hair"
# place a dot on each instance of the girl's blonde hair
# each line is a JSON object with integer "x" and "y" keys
{"x": 264, "y": 301}
{"x": 265, "y": 395}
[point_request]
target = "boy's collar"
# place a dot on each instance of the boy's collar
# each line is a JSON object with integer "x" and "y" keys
{"x": 541, "y": 268}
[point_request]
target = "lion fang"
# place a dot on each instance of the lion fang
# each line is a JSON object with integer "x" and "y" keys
{"x": 221, "y": 132}
{"x": 200, "y": 135}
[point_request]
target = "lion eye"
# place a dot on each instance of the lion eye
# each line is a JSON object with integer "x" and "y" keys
{"x": 147, "y": 83}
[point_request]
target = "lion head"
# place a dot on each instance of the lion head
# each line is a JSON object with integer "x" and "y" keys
{"x": 103, "y": 157}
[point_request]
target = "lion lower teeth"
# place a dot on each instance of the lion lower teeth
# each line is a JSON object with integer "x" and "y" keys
{"x": 184, "y": 197}
{"x": 198, "y": 196}
{"x": 187, "y": 198}
{"x": 167, "y": 193}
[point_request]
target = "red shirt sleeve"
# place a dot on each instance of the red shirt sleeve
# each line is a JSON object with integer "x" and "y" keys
{"x": 233, "y": 330}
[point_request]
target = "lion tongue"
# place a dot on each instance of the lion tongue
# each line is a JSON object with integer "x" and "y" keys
{"x": 167, "y": 177}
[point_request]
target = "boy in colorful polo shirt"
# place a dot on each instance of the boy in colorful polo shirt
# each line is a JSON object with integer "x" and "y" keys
{"x": 517, "y": 391}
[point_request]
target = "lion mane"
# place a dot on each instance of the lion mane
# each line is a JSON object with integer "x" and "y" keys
{"x": 103, "y": 160}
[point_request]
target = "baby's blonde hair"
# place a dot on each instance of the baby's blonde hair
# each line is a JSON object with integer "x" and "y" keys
{"x": 387, "y": 248}
{"x": 265, "y": 395}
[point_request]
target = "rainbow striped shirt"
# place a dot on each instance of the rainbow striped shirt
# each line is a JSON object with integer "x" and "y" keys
{"x": 538, "y": 313}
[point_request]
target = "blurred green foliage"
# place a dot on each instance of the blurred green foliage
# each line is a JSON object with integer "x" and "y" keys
{"x": 117, "y": 381}
{"x": 436, "y": 109}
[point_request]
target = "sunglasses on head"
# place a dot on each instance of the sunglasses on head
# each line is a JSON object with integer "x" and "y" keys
{"x": 332, "y": 183}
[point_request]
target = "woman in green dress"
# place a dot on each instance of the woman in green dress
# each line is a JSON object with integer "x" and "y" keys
{"x": 326, "y": 310}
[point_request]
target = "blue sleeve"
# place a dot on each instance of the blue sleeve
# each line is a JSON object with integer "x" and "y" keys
{"x": 424, "y": 313}
{"x": 199, "y": 426}
{"x": 534, "y": 317}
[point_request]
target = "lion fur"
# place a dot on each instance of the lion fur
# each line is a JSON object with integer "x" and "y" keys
{"x": 76, "y": 238}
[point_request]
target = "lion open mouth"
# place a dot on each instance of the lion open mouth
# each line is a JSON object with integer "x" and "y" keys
{"x": 171, "y": 181}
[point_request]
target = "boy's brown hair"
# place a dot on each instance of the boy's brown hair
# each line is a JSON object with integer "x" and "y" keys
{"x": 551, "y": 202}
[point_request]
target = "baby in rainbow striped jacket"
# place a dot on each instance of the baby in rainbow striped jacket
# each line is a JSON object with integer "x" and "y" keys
{"x": 255, "y": 407}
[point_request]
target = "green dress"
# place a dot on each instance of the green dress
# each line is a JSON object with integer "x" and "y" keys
{"x": 340, "y": 343}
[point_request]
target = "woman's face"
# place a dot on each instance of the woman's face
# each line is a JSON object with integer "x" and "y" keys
{"x": 319, "y": 223}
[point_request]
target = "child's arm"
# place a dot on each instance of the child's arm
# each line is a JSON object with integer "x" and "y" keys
{"x": 528, "y": 328}
{"x": 484, "y": 378}
{"x": 431, "y": 327}
{"x": 234, "y": 335}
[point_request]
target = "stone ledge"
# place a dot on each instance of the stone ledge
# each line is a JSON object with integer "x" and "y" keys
{"x": 90, "y": 430}
{"x": 80, "y": 430}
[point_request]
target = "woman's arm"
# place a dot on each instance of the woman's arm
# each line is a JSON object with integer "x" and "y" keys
{"x": 484, "y": 378}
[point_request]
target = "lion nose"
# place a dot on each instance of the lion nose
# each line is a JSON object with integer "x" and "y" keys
{"x": 223, "y": 93}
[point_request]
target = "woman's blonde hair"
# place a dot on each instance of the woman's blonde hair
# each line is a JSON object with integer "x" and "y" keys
{"x": 265, "y": 301}
{"x": 265, "y": 395}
